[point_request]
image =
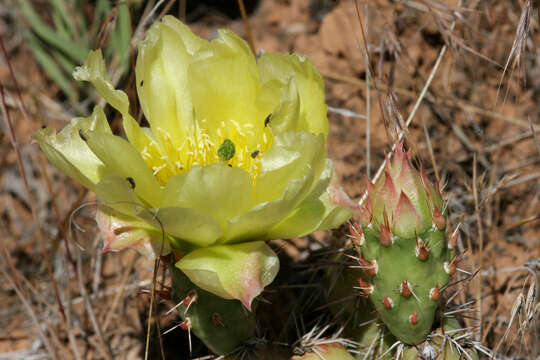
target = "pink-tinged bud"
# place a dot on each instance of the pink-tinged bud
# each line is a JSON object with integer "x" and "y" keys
{"x": 406, "y": 220}
{"x": 369, "y": 186}
{"x": 217, "y": 321}
{"x": 370, "y": 267}
{"x": 421, "y": 250}
{"x": 438, "y": 219}
{"x": 386, "y": 236}
{"x": 435, "y": 293}
{"x": 365, "y": 287}
{"x": 399, "y": 153}
{"x": 405, "y": 288}
{"x": 437, "y": 187}
{"x": 186, "y": 324}
{"x": 364, "y": 214}
{"x": 413, "y": 318}
{"x": 389, "y": 192}
{"x": 191, "y": 298}
{"x": 388, "y": 302}
{"x": 387, "y": 167}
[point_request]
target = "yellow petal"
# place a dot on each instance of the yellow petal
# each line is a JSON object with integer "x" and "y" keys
{"x": 94, "y": 71}
{"x": 217, "y": 190}
{"x": 281, "y": 67}
{"x": 68, "y": 152}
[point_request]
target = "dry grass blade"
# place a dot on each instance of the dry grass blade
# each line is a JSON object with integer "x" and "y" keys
{"x": 520, "y": 41}
{"x": 409, "y": 119}
{"x": 103, "y": 347}
{"x": 13, "y": 139}
{"x": 251, "y": 42}
{"x": 533, "y": 131}
{"x": 479, "y": 220}
{"x": 30, "y": 312}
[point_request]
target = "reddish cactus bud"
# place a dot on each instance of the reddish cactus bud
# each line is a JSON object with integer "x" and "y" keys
{"x": 451, "y": 267}
{"x": 190, "y": 298}
{"x": 370, "y": 268}
{"x": 405, "y": 288}
{"x": 186, "y": 324}
{"x": 435, "y": 293}
{"x": 413, "y": 318}
{"x": 356, "y": 234}
{"x": 388, "y": 302}
{"x": 438, "y": 219}
{"x": 365, "y": 287}
{"x": 421, "y": 250}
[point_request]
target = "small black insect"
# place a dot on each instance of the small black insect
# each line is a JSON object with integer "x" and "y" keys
{"x": 82, "y": 135}
{"x": 43, "y": 126}
{"x": 267, "y": 120}
{"x": 255, "y": 153}
{"x": 131, "y": 182}
{"x": 142, "y": 82}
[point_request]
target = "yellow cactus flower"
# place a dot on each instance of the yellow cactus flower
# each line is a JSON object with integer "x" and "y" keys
{"x": 234, "y": 155}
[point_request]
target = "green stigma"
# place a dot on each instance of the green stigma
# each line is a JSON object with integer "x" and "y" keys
{"x": 226, "y": 150}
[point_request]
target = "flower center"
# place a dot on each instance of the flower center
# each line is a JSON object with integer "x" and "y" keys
{"x": 233, "y": 144}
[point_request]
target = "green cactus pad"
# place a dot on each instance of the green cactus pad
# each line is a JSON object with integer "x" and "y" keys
{"x": 441, "y": 348}
{"x": 332, "y": 351}
{"x": 221, "y": 324}
{"x": 397, "y": 263}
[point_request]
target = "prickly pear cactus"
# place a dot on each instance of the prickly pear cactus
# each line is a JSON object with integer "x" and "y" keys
{"x": 221, "y": 324}
{"x": 403, "y": 249}
{"x": 362, "y": 326}
{"x": 331, "y": 351}
{"x": 451, "y": 344}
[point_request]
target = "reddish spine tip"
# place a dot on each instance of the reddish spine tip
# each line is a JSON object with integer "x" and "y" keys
{"x": 186, "y": 324}
{"x": 435, "y": 293}
{"x": 413, "y": 318}
{"x": 365, "y": 287}
{"x": 405, "y": 288}
{"x": 421, "y": 250}
{"x": 216, "y": 320}
{"x": 438, "y": 218}
{"x": 450, "y": 268}
{"x": 356, "y": 234}
{"x": 190, "y": 298}
{"x": 452, "y": 243}
{"x": 388, "y": 302}
{"x": 370, "y": 267}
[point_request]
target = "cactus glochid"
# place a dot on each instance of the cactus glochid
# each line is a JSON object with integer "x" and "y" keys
{"x": 404, "y": 252}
